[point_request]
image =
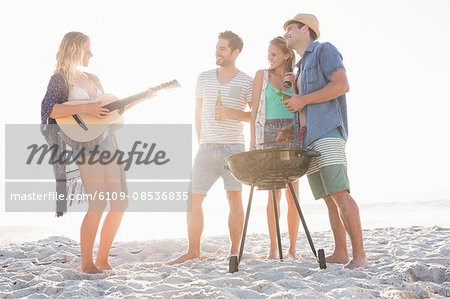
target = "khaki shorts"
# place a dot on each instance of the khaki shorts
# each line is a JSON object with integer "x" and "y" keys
{"x": 209, "y": 166}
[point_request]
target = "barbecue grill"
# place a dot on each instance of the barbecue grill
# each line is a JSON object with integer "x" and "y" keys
{"x": 271, "y": 169}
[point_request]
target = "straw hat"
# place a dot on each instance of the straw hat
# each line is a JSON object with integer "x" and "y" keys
{"x": 307, "y": 19}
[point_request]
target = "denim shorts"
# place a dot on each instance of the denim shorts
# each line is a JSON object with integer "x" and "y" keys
{"x": 209, "y": 165}
{"x": 106, "y": 145}
{"x": 271, "y": 133}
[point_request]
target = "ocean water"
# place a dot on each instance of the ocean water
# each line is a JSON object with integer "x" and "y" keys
{"x": 391, "y": 212}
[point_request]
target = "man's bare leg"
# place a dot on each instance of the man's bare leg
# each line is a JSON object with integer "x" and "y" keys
{"x": 349, "y": 214}
{"x": 235, "y": 220}
{"x": 195, "y": 229}
{"x": 340, "y": 254}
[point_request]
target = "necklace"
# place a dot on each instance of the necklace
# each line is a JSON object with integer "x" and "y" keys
{"x": 277, "y": 81}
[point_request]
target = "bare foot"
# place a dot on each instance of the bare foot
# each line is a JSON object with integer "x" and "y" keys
{"x": 337, "y": 259}
{"x": 272, "y": 255}
{"x": 293, "y": 256}
{"x": 185, "y": 257}
{"x": 357, "y": 263}
{"x": 103, "y": 266}
{"x": 91, "y": 270}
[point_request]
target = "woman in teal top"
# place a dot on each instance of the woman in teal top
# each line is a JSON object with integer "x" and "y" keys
{"x": 269, "y": 115}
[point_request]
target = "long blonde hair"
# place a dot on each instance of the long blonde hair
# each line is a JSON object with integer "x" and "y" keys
{"x": 70, "y": 55}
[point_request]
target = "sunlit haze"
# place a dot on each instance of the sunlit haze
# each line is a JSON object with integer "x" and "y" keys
{"x": 396, "y": 54}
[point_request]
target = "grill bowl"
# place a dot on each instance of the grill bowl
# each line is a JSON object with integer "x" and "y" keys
{"x": 270, "y": 168}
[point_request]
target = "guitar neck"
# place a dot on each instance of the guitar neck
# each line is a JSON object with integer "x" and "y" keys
{"x": 126, "y": 101}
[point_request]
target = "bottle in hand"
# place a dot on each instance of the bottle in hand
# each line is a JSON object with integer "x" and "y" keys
{"x": 218, "y": 103}
{"x": 289, "y": 69}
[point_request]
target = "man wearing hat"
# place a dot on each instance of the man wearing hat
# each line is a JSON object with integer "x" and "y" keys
{"x": 320, "y": 123}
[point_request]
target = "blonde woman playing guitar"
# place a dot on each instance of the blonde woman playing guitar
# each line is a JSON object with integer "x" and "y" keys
{"x": 70, "y": 84}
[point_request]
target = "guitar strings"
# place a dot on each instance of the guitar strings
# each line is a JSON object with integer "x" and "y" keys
{"x": 121, "y": 103}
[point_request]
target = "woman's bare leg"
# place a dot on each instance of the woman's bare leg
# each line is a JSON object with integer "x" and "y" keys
{"x": 93, "y": 182}
{"x": 114, "y": 217}
{"x": 272, "y": 225}
{"x": 293, "y": 220}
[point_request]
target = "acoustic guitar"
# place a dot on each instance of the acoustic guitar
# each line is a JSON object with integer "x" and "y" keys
{"x": 84, "y": 130}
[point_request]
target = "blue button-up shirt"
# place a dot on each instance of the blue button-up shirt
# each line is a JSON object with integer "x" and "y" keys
{"x": 319, "y": 62}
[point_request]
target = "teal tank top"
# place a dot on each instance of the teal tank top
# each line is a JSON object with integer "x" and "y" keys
{"x": 274, "y": 108}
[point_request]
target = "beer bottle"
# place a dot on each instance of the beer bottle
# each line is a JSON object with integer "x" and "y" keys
{"x": 289, "y": 69}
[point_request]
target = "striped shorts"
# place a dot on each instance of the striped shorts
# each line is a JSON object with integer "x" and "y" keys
{"x": 327, "y": 174}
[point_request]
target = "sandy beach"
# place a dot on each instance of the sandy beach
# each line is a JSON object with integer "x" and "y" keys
{"x": 409, "y": 262}
{"x": 393, "y": 54}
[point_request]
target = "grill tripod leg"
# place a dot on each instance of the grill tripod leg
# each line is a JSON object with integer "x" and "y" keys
{"x": 302, "y": 219}
{"x": 275, "y": 210}
{"x": 247, "y": 215}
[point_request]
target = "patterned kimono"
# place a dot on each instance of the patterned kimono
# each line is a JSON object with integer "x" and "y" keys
{"x": 67, "y": 181}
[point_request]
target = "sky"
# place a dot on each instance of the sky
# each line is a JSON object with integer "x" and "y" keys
{"x": 396, "y": 55}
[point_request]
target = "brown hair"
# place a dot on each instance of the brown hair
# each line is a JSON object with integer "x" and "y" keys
{"x": 280, "y": 42}
{"x": 312, "y": 34}
{"x": 233, "y": 39}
